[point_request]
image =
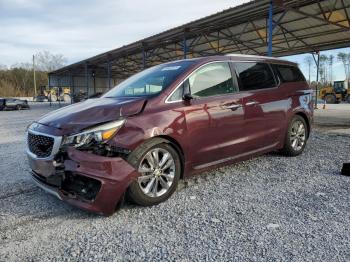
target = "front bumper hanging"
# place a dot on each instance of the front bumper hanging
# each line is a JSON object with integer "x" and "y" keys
{"x": 88, "y": 181}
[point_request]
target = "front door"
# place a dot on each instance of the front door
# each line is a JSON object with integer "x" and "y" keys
{"x": 214, "y": 116}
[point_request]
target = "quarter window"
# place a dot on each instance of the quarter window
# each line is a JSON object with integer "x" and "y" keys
{"x": 212, "y": 79}
{"x": 177, "y": 95}
{"x": 289, "y": 73}
{"x": 253, "y": 76}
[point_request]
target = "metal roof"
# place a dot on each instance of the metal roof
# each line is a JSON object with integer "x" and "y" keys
{"x": 300, "y": 26}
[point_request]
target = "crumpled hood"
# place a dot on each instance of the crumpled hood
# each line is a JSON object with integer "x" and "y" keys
{"x": 76, "y": 117}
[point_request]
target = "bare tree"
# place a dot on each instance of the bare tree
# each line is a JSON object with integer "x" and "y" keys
{"x": 330, "y": 63}
{"x": 21, "y": 76}
{"x": 323, "y": 68}
{"x": 45, "y": 61}
{"x": 3, "y": 67}
{"x": 343, "y": 57}
{"x": 18, "y": 81}
{"x": 308, "y": 61}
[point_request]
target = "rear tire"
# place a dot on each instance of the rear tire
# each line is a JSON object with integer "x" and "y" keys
{"x": 296, "y": 137}
{"x": 330, "y": 99}
{"x": 348, "y": 98}
{"x": 159, "y": 166}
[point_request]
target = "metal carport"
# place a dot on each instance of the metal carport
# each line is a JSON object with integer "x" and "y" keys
{"x": 261, "y": 27}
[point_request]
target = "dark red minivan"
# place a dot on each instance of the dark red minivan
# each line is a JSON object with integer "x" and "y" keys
{"x": 168, "y": 122}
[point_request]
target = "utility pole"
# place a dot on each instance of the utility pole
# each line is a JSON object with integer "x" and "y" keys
{"x": 34, "y": 75}
{"x": 317, "y": 62}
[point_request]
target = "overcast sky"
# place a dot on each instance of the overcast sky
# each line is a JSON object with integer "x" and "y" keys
{"x": 79, "y": 29}
{"x": 82, "y": 28}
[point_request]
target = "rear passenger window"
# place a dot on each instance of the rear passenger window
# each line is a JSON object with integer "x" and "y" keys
{"x": 254, "y": 76}
{"x": 289, "y": 73}
{"x": 212, "y": 79}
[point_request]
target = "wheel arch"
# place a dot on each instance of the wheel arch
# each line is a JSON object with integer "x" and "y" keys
{"x": 178, "y": 148}
{"x": 169, "y": 140}
{"x": 307, "y": 121}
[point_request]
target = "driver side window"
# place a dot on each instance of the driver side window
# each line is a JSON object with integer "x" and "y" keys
{"x": 209, "y": 80}
{"x": 212, "y": 79}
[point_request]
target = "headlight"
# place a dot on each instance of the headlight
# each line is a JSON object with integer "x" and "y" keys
{"x": 100, "y": 134}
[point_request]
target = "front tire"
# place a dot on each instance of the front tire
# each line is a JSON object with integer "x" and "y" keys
{"x": 159, "y": 166}
{"x": 296, "y": 138}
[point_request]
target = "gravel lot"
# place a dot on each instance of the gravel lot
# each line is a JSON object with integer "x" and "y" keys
{"x": 267, "y": 208}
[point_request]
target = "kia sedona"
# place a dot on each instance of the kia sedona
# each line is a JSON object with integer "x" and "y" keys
{"x": 168, "y": 122}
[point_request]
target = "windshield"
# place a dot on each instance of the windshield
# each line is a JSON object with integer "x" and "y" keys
{"x": 150, "y": 81}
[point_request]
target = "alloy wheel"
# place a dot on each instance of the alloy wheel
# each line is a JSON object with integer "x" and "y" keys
{"x": 157, "y": 169}
{"x": 298, "y": 135}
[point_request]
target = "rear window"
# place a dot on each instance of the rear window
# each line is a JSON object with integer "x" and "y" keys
{"x": 289, "y": 73}
{"x": 254, "y": 76}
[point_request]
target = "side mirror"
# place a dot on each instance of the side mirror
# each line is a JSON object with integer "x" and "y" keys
{"x": 187, "y": 91}
{"x": 187, "y": 97}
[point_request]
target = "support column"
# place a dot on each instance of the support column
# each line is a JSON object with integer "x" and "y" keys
{"x": 93, "y": 74}
{"x": 143, "y": 56}
{"x": 59, "y": 91}
{"x": 49, "y": 83}
{"x": 184, "y": 45}
{"x": 317, "y": 74}
{"x": 71, "y": 80}
{"x": 109, "y": 74}
{"x": 86, "y": 80}
{"x": 269, "y": 50}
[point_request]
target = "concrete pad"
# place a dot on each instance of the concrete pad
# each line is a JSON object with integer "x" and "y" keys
{"x": 341, "y": 106}
{"x": 340, "y": 131}
{"x": 333, "y": 115}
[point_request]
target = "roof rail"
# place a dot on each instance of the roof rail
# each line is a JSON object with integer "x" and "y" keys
{"x": 253, "y": 56}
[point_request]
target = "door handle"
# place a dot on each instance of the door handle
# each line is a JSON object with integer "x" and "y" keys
{"x": 233, "y": 106}
{"x": 251, "y": 103}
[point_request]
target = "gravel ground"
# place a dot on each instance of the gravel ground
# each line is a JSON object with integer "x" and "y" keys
{"x": 267, "y": 208}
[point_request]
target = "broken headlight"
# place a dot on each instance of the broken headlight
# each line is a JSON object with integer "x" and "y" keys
{"x": 100, "y": 134}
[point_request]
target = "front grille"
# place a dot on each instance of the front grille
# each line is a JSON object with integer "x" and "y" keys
{"x": 53, "y": 180}
{"x": 39, "y": 177}
{"x": 40, "y": 145}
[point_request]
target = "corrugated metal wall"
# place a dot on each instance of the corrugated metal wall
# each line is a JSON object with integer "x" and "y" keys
{"x": 78, "y": 83}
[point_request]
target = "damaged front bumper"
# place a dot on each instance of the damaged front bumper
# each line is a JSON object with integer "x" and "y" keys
{"x": 91, "y": 182}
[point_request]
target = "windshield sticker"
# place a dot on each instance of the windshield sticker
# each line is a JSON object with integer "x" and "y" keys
{"x": 168, "y": 68}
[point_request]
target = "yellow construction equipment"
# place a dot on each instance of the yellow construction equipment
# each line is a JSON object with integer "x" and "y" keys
{"x": 56, "y": 93}
{"x": 335, "y": 94}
